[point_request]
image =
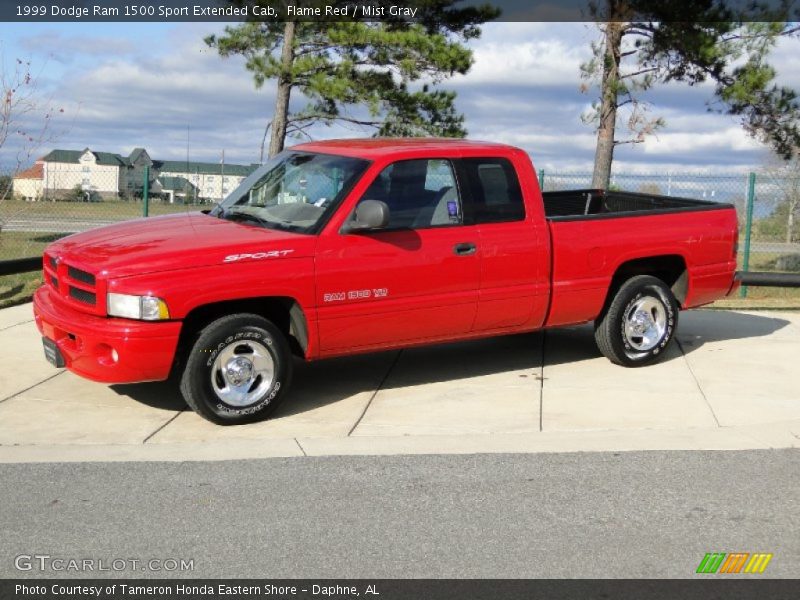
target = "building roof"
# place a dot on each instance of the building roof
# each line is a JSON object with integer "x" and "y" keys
{"x": 107, "y": 158}
{"x": 135, "y": 154}
{"x": 73, "y": 156}
{"x": 179, "y": 184}
{"x": 35, "y": 172}
{"x": 170, "y": 166}
{"x": 203, "y": 168}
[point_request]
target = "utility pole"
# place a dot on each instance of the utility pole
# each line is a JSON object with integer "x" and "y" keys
{"x": 187, "y": 148}
{"x": 222, "y": 177}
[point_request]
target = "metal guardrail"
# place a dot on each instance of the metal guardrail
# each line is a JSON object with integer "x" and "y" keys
{"x": 764, "y": 279}
{"x": 20, "y": 265}
{"x": 768, "y": 206}
{"x": 749, "y": 278}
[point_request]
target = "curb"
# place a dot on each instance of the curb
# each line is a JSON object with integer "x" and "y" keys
{"x": 757, "y": 437}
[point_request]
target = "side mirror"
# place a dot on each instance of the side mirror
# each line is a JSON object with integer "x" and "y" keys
{"x": 369, "y": 214}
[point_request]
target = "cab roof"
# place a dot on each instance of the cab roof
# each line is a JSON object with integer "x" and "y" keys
{"x": 372, "y": 148}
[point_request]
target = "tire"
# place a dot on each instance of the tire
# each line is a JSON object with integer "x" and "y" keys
{"x": 238, "y": 370}
{"x": 639, "y": 324}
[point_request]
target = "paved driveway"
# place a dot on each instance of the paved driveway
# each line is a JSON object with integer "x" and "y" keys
{"x": 730, "y": 383}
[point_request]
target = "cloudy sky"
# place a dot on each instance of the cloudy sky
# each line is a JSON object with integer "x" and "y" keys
{"x": 128, "y": 85}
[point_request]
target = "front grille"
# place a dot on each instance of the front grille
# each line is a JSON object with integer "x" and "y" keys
{"x": 79, "y": 288}
{"x": 79, "y": 275}
{"x": 82, "y": 295}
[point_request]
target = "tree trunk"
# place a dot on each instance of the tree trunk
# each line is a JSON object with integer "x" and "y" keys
{"x": 604, "y": 154}
{"x": 280, "y": 120}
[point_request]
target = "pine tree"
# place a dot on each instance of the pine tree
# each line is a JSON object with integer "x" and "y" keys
{"x": 363, "y": 73}
{"x": 691, "y": 41}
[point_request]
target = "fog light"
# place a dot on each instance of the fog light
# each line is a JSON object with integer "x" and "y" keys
{"x": 106, "y": 355}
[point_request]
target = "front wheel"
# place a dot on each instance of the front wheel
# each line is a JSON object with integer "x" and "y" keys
{"x": 238, "y": 370}
{"x": 639, "y": 324}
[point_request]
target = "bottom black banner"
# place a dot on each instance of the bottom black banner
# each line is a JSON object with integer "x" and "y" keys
{"x": 391, "y": 589}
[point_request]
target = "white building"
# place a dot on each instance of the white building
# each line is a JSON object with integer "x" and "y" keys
{"x": 208, "y": 181}
{"x": 103, "y": 175}
{"x": 29, "y": 184}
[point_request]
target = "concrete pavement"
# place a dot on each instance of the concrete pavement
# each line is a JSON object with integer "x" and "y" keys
{"x": 730, "y": 383}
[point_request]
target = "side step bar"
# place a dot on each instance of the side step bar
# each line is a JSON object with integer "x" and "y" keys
{"x": 764, "y": 279}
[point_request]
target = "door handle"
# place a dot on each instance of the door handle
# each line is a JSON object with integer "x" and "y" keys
{"x": 465, "y": 249}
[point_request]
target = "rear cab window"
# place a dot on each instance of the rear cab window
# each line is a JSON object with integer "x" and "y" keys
{"x": 491, "y": 190}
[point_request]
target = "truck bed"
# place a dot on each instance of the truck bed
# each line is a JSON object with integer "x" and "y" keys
{"x": 593, "y": 232}
{"x": 572, "y": 205}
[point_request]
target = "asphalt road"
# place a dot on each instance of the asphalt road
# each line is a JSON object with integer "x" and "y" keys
{"x": 643, "y": 514}
{"x": 56, "y": 224}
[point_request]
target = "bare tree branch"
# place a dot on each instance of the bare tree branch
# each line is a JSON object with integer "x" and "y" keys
{"x": 639, "y": 72}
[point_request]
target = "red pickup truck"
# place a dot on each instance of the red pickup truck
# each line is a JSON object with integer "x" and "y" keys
{"x": 350, "y": 246}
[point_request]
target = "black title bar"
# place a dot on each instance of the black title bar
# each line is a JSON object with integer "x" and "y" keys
{"x": 34, "y": 11}
{"x": 395, "y": 589}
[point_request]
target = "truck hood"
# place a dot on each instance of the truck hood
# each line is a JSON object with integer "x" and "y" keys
{"x": 175, "y": 242}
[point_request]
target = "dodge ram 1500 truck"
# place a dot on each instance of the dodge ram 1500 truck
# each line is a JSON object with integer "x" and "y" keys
{"x": 348, "y": 246}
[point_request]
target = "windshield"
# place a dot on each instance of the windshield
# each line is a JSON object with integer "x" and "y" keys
{"x": 295, "y": 191}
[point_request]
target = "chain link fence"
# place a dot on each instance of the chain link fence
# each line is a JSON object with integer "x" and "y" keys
{"x": 47, "y": 202}
{"x": 50, "y": 201}
{"x": 768, "y": 205}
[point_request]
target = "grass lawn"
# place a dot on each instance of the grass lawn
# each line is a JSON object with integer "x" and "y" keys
{"x": 24, "y": 244}
{"x": 109, "y": 209}
{"x": 761, "y": 299}
{"x": 767, "y": 298}
{"x": 18, "y": 289}
{"x": 15, "y": 289}
{"x": 15, "y": 244}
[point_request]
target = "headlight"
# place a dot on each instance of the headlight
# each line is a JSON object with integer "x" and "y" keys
{"x": 148, "y": 308}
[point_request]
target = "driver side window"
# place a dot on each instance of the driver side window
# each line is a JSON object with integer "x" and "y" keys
{"x": 419, "y": 193}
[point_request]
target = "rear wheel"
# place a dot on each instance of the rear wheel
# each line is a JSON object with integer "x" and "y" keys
{"x": 639, "y": 324}
{"x": 238, "y": 370}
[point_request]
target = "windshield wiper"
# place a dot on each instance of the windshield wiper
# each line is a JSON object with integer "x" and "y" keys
{"x": 245, "y": 216}
{"x": 289, "y": 226}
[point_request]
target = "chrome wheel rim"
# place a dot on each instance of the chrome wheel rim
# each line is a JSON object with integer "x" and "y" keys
{"x": 645, "y": 323}
{"x": 242, "y": 373}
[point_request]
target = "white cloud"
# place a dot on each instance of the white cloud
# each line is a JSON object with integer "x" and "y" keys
{"x": 64, "y": 48}
{"x": 144, "y": 88}
{"x": 526, "y": 55}
{"x": 732, "y": 139}
{"x": 149, "y": 101}
{"x": 524, "y": 90}
{"x": 784, "y": 59}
